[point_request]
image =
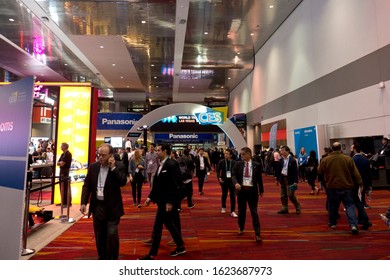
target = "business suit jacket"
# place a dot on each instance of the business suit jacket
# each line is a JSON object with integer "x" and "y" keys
{"x": 112, "y": 192}
{"x": 257, "y": 170}
{"x": 197, "y": 165}
{"x": 166, "y": 185}
{"x": 292, "y": 170}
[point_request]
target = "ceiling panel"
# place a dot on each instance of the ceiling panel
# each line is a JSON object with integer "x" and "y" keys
{"x": 163, "y": 51}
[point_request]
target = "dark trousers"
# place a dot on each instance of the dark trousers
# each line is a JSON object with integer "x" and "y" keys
{"x": 362, "y": 214}
{"x": 335, "y": 197}
{"x": 286, "y": 194}
{"x": 136, "y": 189}
{"x": 302, "y": 172}
{"x": 227, "y": 187}
{"x": 201, "y": 175}
{"x": 169, "y": 220}
{"x": 251, "y": 197}
{"x": 66, "y": 193}
{"x": 189, "y": 189}
{"x": 106, "y": 234}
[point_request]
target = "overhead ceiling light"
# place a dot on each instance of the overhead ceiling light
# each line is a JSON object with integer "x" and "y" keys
{"x": 144, "y": 21}
{"x": 205, "y": 33}
{"x": 113, "y": 64}
{"x": 11, "y": 19}
{"x": 102, "y": 47}
{"x": 271, "y": 6}
{"x": 121, "y": 77}
{"x": 252, "y": 34}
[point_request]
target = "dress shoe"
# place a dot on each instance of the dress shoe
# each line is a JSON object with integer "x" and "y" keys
{"x": 234, "y": 215}
{"x": 258, "y": 238}
{"x": 283, "y": 211}
{"x": 298, "y": 211}
{"x": 178, "y": 251}
{"x": 223, "y": 210}
{"x": 354, "y": 230}
{"x": 366, "y": 226}
{"x": 146, "y": 257}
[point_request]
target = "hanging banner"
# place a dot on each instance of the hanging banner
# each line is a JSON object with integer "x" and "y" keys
{"x": 15, "y": 127}
{"x": 306, "y": 138}
{"x": 117, "y": 121}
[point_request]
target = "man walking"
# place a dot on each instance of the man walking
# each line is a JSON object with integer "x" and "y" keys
{"x": 102, "y": 189}
{"x": 341, "y": 176}
{"x": 247, "y": 180}
{"x": 287, "y": 178}
{"x": 165, "y": 192}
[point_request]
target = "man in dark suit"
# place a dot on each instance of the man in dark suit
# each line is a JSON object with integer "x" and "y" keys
{"x": 248, "y": 182}
{"x": 102, "y": 189}
{"x": 287, "y": 177}
{"x": 202, "y": 165}
{"x": 166, "y": 192}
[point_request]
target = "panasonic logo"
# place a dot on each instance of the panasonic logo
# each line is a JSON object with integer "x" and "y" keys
{"x": 121, "y": 122}
{"x": 183, "y": 136}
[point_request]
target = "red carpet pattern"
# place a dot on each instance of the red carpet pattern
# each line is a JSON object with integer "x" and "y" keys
{"x": 211, "y": 235}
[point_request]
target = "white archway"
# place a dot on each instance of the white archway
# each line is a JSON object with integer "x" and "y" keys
{"x": 228, "y": 127}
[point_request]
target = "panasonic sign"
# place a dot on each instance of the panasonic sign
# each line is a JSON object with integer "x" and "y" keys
{"x": 117, "y": 121}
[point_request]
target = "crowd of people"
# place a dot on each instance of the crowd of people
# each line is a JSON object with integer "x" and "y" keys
{"x": 344, "y": 178}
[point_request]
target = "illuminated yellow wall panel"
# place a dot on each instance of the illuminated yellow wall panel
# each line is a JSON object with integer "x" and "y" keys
{"x": 73, "y": 128}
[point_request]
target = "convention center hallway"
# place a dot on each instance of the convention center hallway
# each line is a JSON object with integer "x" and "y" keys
{"x": 211, "y": 235}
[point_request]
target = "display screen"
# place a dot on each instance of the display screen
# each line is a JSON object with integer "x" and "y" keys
{"x": 117, "y": 142}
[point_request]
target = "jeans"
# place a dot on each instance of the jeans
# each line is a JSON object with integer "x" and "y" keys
{"x": 335, "y": 197}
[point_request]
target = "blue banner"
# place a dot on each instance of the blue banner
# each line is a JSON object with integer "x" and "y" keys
{"x": 15, "y": 128}
{"x": 117, "y": 121}
{"x": 306, "y": 138}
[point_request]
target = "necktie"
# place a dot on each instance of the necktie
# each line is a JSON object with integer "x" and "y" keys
{"x": 246, "y": 173}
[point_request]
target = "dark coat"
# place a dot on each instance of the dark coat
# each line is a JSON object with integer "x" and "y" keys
{"x": 112, "y": 189}
{"x": 221, "y": 168}
{"x": 197, "y": 165}
{"x": 257, "y": 170}
{"x": 292, "y": 171}
{"x": 363, "y": 165}
{"x": 167, "y": 184}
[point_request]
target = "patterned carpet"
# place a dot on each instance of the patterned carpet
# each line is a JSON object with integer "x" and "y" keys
{"x": 211, "y": 235}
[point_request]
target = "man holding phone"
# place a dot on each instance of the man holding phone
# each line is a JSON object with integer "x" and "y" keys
{"x": 102, "y": 189}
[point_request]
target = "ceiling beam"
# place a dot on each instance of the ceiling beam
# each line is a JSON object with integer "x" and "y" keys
{"x": 182, "y": 7}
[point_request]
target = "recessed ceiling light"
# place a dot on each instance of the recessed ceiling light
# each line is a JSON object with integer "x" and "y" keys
{"x": 152, "y": 65}
{"x": 113, "y": 64}
{"x": 271, "y": 6}
{"x": 144, "y": 21}
{"x": 11, "y": 19}
{"x": 205, "y": 33}
{"x": 102, "y": 47}
{"x": 155, "y": 77}
{"x": 66, "y": 64}
{"x": 229, "y": 78}
{"x": 121, "y": 77}
{"x": 252, "y": 34}
{"x": 127, "y": 86}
